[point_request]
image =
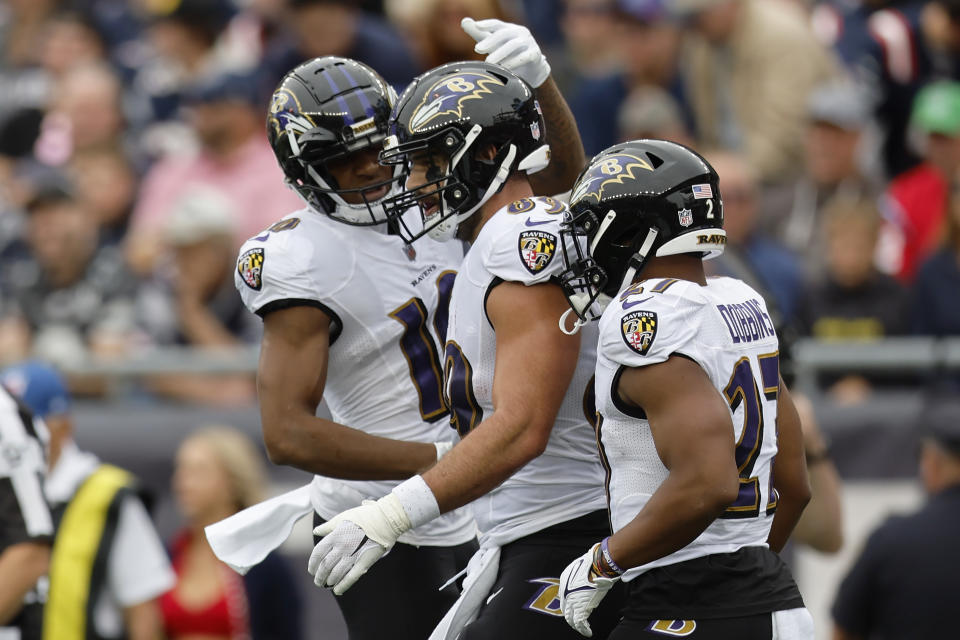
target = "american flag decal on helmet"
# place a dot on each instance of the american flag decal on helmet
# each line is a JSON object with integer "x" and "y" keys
{"x": 702, "y": 191}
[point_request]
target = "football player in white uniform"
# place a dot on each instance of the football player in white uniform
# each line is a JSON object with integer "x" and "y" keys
{"x": 701, "y": 441}
{"x": 519, "y": 389}
{"x": 355, "y": 315}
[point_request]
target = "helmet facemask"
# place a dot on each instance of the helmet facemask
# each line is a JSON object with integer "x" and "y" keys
{"x": 314, "y": 151}
{"x": 457, "y": 183}
{"x": 594, "y": 274}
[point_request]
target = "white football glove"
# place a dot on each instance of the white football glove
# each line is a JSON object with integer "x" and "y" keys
{"x": 581, "y": 590}
{"x": 509, "y": 45}
{"x": 354, "y": 540}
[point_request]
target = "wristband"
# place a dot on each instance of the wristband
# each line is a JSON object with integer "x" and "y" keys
{"x": 417, "y": 500}
{"x": 605, "y": 550}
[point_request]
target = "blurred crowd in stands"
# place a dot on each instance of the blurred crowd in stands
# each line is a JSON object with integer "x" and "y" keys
{"x": 133, "y": 160}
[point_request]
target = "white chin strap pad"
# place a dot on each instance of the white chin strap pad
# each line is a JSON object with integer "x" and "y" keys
{"x": 443, "y": 230}
{"x": 577, "y": 322}
{"x": 580, "y": 303}
{"x": 536, "y": 160}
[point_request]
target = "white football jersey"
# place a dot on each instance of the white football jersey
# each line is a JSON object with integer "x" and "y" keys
{"x": 725, "y": 328}
{"x": 387, "y": 306}
{"x": 520, "y": 243}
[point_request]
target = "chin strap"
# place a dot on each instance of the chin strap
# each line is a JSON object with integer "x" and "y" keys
{"x": 636, "y": 260}
{"x": 577, "y": 323}
{"x": 503, "y": 172}
{"x": 447, "y": 228}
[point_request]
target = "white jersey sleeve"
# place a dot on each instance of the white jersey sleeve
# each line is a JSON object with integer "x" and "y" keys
{"x": 524, "y": 244}
{"x": 283, "y": 266}
{"x": 654, "y": 321}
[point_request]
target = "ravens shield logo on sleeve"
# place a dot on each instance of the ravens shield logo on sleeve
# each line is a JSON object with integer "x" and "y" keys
{"x": 639, "y": 329}
{"x": 536, "y": 250}
{"x": 250, "y": 268}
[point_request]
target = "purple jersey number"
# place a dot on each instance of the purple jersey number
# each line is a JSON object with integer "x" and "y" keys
{"x": 743, "y": 389}
{"x": 420, "y": 349}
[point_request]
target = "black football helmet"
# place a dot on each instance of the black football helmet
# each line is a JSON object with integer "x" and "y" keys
{"x": 322, "y": 111}
{"x": 450, "y": 113}
{"x": 636, "y": 200}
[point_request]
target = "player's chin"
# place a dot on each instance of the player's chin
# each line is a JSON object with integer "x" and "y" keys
{"x": 373, "y": 195}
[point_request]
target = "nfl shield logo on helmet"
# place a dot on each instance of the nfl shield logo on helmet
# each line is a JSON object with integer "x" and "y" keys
{"x": 536, "y": 250}
{"x": 639, "y": 329}
{"x": 250, "y": 268}
{"x": 686, "y": 217}
{"x": 535, "y": 130}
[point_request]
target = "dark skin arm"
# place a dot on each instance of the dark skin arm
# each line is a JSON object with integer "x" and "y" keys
{"x": 692, "y": 430}
{"x": 290, "y": 380}
{"x": 789, "y": 471}
{"x": 840, "y": 634}
{"x": 534, "y": 366}
{"x": 567, "y": 156}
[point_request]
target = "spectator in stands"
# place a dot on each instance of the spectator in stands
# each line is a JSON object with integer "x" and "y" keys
{"x": 106, "y": 184}
{"x": 936, "y": 306}
{"x": 837, "y": 115}
{"x": 64, "y": 297}
{"x": 752, "y": 255}
{"x": 26, "y": 527}
{"x": 217, "y": 473}
{"x": 894, "y": 48}
{"x": 918, "y": 197}
{"x": 196, "y": 304}
{"x": 749, "y": 66}
{"x": 647, "y": 45}
{"x": 233, "y": 157}
{"x": 185, "y": 37}
{"x": 651, "y": 112}
{"x": 108, "y": 565}
{"x": 903, "y": 585}
{"x": 433, "y": 28}
{"x": 587, "y": 25}
{"x": 340, "y": 28}
{"x": 24, "y": 30}
{"x": 86, "y": 114}
{"x": 854, "y": 300}
{"x": 71, "y": 40}
{"x": 25, "y": 86}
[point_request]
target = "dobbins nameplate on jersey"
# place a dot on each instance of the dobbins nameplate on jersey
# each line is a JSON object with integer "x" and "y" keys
{"x": 537, "y": 249}
{"x": 639, "y": 329}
